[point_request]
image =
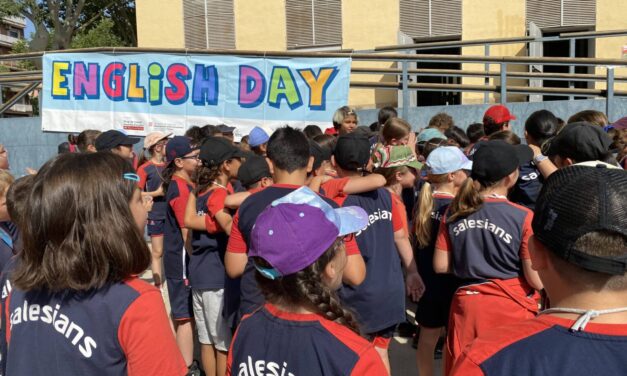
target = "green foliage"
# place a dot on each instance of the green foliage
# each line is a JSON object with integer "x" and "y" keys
{"x": 21, "y": 47}
{"x": 101, "y": 35}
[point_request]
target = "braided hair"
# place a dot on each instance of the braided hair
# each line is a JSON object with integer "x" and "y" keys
{"x": 306, "y": 288}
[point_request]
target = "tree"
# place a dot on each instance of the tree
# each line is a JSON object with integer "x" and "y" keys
{"x": 102, "y": 35}
{"x": 58, "y": 22}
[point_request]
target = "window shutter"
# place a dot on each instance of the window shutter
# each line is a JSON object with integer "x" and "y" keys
{"x": 446, "y": 17}
{"x": 414, "y": 18}
{"x": 579, "y": 12}
{"x": 213, "y": 29}
{"x": 194, "y": 21}
{"x": 327, "y": 22}
{"x": 299, "y": 23}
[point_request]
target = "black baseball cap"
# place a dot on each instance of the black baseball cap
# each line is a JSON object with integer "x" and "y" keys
{"x": 112, "y": 138}
{"x": 352, "y": 151}
{"x": 320, "y": 153}
{"x": 580, "y": 141}
{"x": 496, "y": 159}
{"x": 578, "y": 200}
{"x": 252, "y": 170}
{"x": 215, "y": 150}
{"x": 225, "y": 128}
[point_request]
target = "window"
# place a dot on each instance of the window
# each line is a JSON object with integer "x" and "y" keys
{"x": 14, "y": 33}
{"x": 558, "y": 13}
{"x": 209, "y": 24}
{"x": 431, "y": 18}
{"x": 313, "y": 23}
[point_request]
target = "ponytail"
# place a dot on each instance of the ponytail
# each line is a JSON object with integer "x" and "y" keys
{"x": 306, "y": 289}
{"x": 166, "y": 175}
{"x": 422, "y": 221}
{"x": 467, "y": 201}
{"x": 205, "y": 176}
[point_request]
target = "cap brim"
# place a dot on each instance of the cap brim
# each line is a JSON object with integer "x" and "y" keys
{"x": 524, "y": 154}
{"x": 131, "y": 141}
{"x": 352, "y": 219}
{"x": 415, "y": 164}
{"x": 467, "y": 166}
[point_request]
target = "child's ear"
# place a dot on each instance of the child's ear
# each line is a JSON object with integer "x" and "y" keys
{"x": 399, "y": 175}
{"x": 178, "y": 162}
{"x": 310, "y": 164}
{"x": 538, "y": 253}
{"x": 270, "y": 166}
{"x": 330, "y": 273}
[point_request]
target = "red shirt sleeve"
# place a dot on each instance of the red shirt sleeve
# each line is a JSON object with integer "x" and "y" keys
{"x": 443, "y": 241}
{"x": 236, "y": 240}
{"x": 399, "y": 214}
{"x": 7, "y": 324}
{"x": 179, "y": 204}
{"x": 147, "y": 340}
{"x": 141, "y": 172}
{"x": 527, "y": 231}
{"x": 370, "y": 363}
{"x": 334, "y": 187}
{"x": 215, "y": 203}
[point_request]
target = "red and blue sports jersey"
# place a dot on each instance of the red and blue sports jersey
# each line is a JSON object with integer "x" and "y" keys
{"x": 243, "y": 222}
{"x": 6, "y": 286}
{"x": 175, "y": 259}
{"x": 150, "y": 179}
{"x": 379, "y": 301}
{"x": 489, "y": 243}
{"x": 206, "y": 264}
{"x": 274, "y": 342}
{"x": 120, "y": 329}
{"x": 545, "y": 345}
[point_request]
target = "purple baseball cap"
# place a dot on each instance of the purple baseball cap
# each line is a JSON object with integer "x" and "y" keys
{"x": 295, "y": 230}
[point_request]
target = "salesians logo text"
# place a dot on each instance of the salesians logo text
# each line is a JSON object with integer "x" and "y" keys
{"x": 376, "y": 216}
{"x": 251, "y": 367}
{"x": 483, "y": 224}
{"x": 60, "y": 322}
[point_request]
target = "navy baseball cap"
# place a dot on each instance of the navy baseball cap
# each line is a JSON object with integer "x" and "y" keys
{"x": 580, "y": 141}
{"x": 215, "y": 150}
{"x": 252, "y": 170}
{"x": 496, "y": 159}
{"x": 178, "y": 147}
{"x": 352, "y": 151}
{"x": 113, "y": 138}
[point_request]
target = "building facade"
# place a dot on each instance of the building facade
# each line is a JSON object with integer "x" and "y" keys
{"x": 11, "y": 32}
{"x": 280, "y": 25}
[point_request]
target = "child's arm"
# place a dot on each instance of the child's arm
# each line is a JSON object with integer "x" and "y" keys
{"x": 233, "y": 201}
{"x": 364, "y": 184}
{"x": 317, "y": 181}
{"x": 355, "y": 270}
{"x": 192, "y": 219}
{"x": 442, "y": 261}
{"x": 225, "y": 220}
{"x": 414, "y": 285}
{"x": 531, "y": 275}
{"x": 236, "y": 257}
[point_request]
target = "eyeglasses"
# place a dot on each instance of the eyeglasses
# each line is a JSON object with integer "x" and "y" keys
{"x": 194, "y": 157}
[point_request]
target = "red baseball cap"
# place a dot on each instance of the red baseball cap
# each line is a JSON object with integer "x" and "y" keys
{"x": 499, "y": 114}
{"x": 331, "y": 131}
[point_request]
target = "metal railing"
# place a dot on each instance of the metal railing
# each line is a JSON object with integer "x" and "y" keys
{"x": 26, "y": 79}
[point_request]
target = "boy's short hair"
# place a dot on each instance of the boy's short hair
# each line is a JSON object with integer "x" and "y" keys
{"x": 288, "y": 149}
{"x": 475, "y": 132}
{"x": 312, "y": 131}
{"x": 86, "y": 138}
{"x": 581, "y": 217}
{"x": 385, "y": 114}
{"x": 442, "y": 121}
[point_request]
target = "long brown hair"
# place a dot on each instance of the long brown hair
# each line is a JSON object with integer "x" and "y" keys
{"x": 81, "y": 233}
{"x": 424, "y": 208}
{"x": 468, "y": 200}
{"x": 306, "y": 288}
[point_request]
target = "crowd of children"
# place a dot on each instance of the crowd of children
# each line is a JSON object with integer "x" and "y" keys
{"x": 299, "y": 252}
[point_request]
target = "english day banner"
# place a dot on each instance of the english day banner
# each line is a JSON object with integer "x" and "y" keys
{"x": 141, "y": 93}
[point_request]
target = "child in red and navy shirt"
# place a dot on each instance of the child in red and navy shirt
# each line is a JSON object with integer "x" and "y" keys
{"x": 182, "y": 163}
{"x": 76, "y": 301}
{"x": 579, "y": 249}
{"x": 211, "y": 224}
{"x": 298, "y": 254}
{"x": 483, "y": 240}
{"x": 150, "y": 181}
{"x": 288, "y": 152}
{"x": 379, "y": 302}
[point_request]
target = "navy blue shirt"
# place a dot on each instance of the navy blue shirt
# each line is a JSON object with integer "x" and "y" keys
{"x": 206, "y": 264}
{"x": 490, "y": 243}
{"x": 546, "y": 346}
{"x": 527, "y": 187}
{"x": 175, "y": 258}
{"x": 274, "y": 342}
{"x": 379, "y": 301}
{"x": 150, "y": 179}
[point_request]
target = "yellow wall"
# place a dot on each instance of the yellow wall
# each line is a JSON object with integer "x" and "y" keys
{"x": 160, "y": 23}
{"x": 484, "y": 19}
{"x": 611, "y": 16}
{"x": 260, "y": 25}
{"x": 367, "y": 24}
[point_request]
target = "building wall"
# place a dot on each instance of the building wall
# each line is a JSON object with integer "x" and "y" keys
{"x": 488, "y": 19}
{"x": 610, "y": 16}
{"x": 367, "y": 24}
{"x": 160, "y": 23}
{"x": 260, "y": 25}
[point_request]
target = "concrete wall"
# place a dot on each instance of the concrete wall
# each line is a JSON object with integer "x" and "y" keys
{"x": 465, "y": 115}
{"x": 611, "y": 15}
{"x": 487, "y": 19}
{"x": 160, "y": 23}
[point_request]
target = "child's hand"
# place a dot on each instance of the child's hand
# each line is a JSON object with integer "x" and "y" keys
{"x": 147, "y": 200}
{"x": 414, "y": 286}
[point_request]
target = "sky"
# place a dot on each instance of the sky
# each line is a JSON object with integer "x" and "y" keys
{"x": 30, "y": 28}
